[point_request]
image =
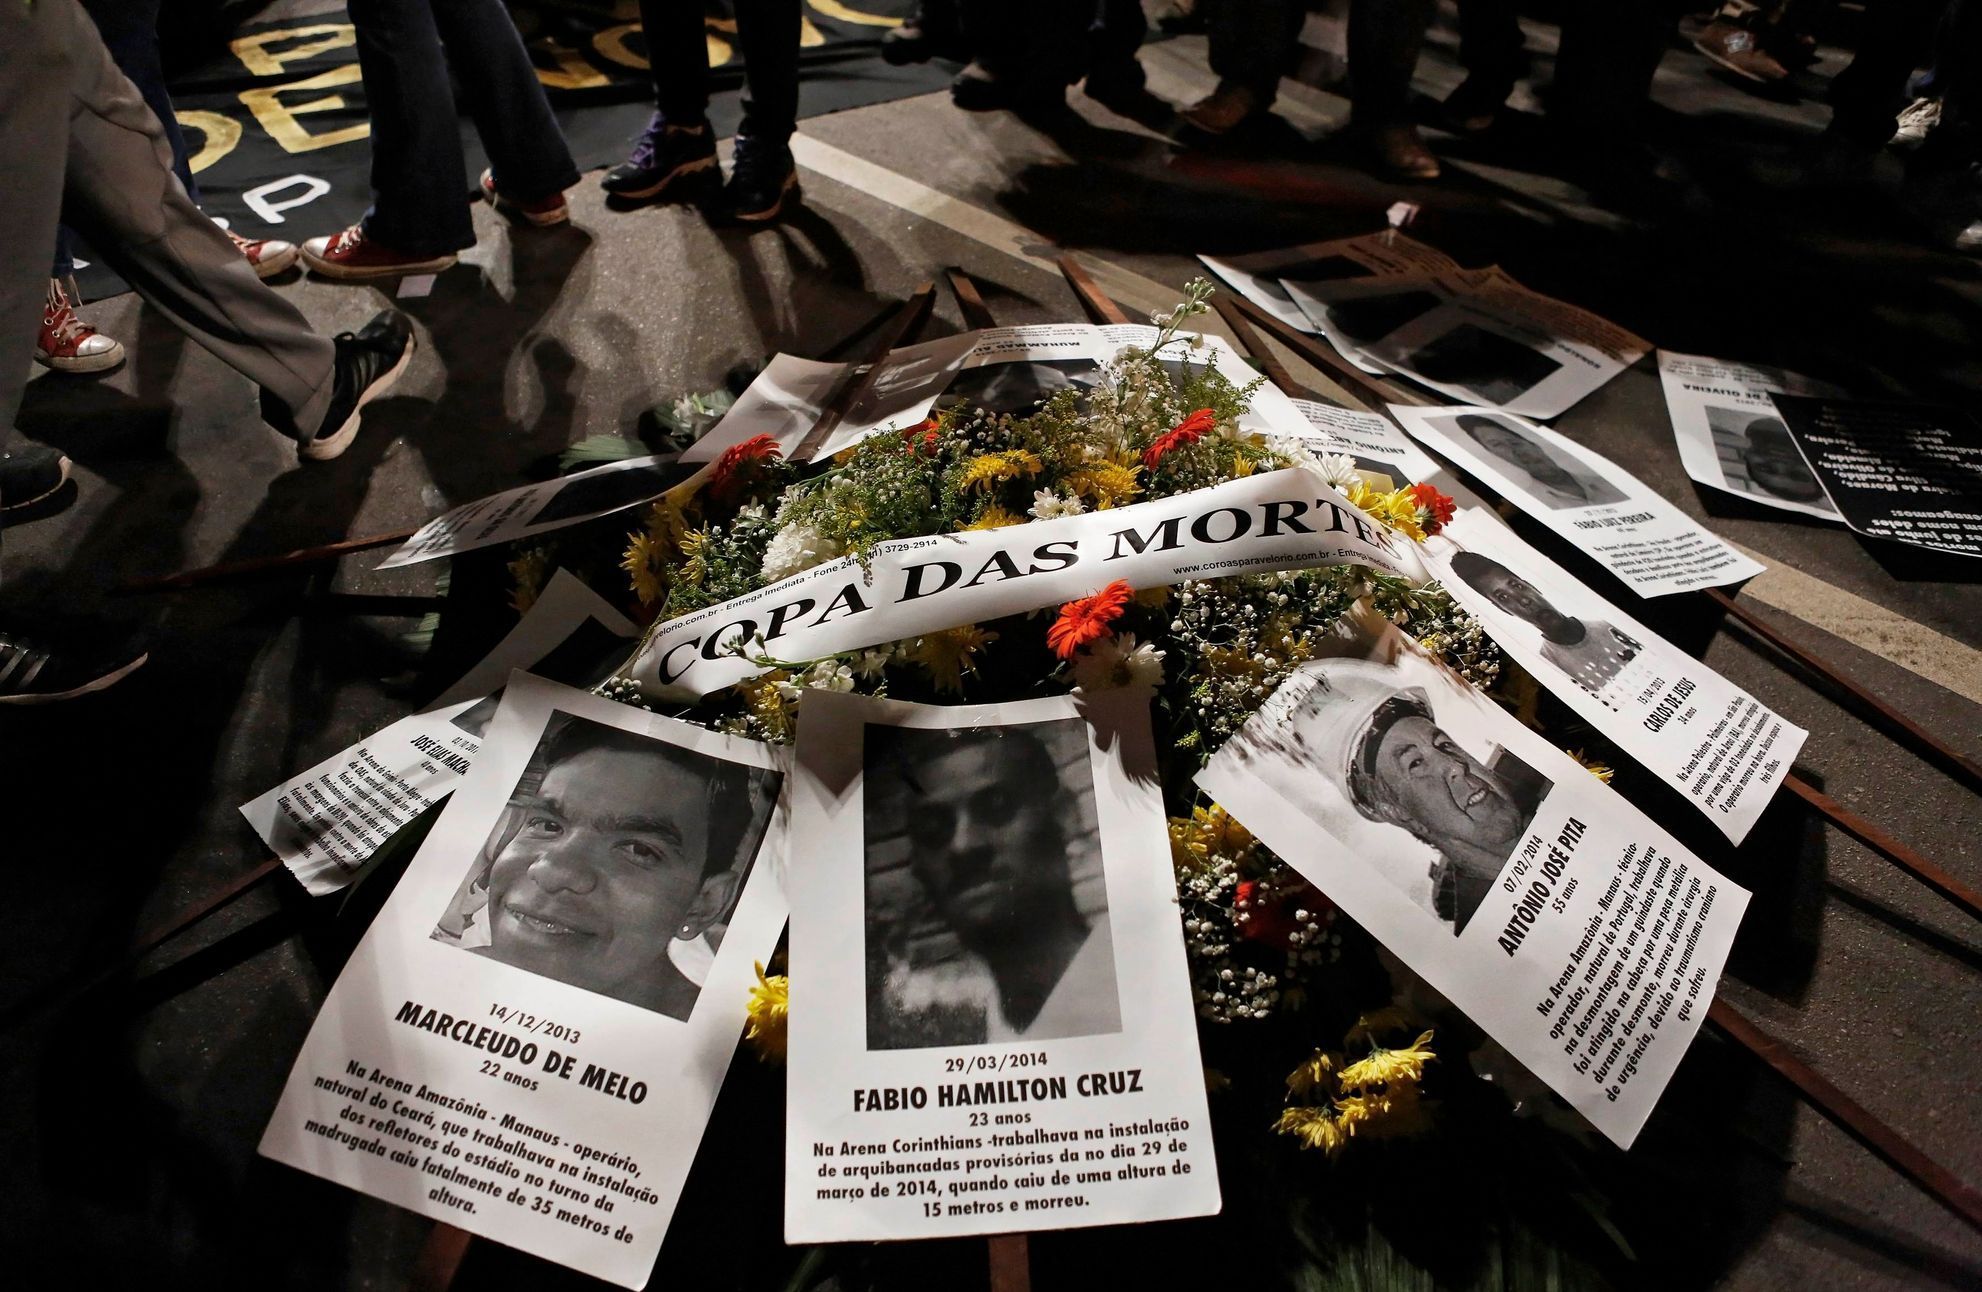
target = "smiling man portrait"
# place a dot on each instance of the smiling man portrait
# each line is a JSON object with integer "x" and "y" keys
{"x": 614, "y": 865}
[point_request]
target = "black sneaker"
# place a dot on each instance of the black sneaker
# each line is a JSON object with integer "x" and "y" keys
{"x": 30, "y": 475}
{"x": 40, "y": 672}
{"x": 664, "y": 155}
{"x": 762, "y": 176}
{"x": 368, "y": 362}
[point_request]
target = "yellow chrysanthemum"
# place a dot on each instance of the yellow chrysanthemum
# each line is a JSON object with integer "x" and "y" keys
{"x": 1315, "y": 1128}
{"x": 1383, "y": 1116}
{"x": 1602, "y": 771}
{"x": 994, "y": 517}
{"x": 1389, "y": 1067}
{"x": 642, "y": 562}
{"x": 767, "y": 704}
{"x": 1154, "y": 598}
{"x": 1316, "y": 1076}
{"x": 988, "y": 469}
{"x": 1104, "y": 484}
{"x": 1242, "y": 466}
{"x": 666, "y": 521}
{"x": 949, "y": 654}
{"x": 767, "y": 1015}
{"x": 526, "y": 574}
{"x": 1209, "y": 830}
{"x": 1375, "y": 1023}
{"x": 1396, "y": 509}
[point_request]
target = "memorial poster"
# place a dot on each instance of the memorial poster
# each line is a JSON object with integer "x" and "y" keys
{"x": 1559, "y": 918}
{"x": 993, "y": 1028}
{"x": 1259, "y": 276}
{"x": 1475, "y": 336}
{"x": 1911, "y": 473}
{"x": 1701, "y": 734}
{"x": 1731, "y": 437}
{"x": 528, "y": 1041}
{"x": 1381, "y": 451}
{"x": 529, "y": 510}
{"x": 1589, "y": 500}
{"x": 325, "y": 823}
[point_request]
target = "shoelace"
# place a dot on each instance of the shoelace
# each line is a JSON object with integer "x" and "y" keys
{"x": 20, "y": 663}
{"x": 645, "y": 148}
{"x": 60, "y": 317}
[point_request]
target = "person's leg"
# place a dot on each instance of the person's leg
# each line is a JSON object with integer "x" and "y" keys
{"x": 504, "y": 98}
{"x": 130, "y": 32}
{"x": 1385, "y": 38}
{"x": 419, "y": 180}
{"x": 34, "y": 106}
{"x": 1252, "y": 44}
{"x": 1490, "y": 47}
{"x": 1609, "y": 52}
{"x": 678, "y": 148}
{"x": 767, "y": 35}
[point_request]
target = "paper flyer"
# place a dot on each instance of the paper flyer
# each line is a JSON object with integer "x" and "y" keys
{"x": 533, "y": 509}
{"x": 1589, "y": 500}
{"x": 1278, "y": 520}
{"x": 1569, "y": 926}
{"x": 1001, "y": 370}
{"x": 1706, "y": 737}
{"x": 1911, "y": 473}
{"x": 326, "y": 822}
{"x": 529, "y": 1039}
{"x": 1379, "y": 448}
{"x": 994, "y": 1029}
{"x": 1475, "y": 336}
{"x": 1259, "y": 275}
{"x": 1730, "y": 436}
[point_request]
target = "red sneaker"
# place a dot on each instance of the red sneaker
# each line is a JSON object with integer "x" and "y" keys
{"x": 67, "y": 344}
{"x": 269, "y": 256}
{"x": 543, "y": 212}
{"x": 349, "y": 254}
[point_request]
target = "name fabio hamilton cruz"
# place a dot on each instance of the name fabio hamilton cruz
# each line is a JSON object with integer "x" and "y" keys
{"x": 1010, "y": 1090}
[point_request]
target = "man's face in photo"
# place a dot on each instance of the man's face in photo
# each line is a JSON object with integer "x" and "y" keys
{"x": 1424, "y": 776}
{"x": 1511, "y": 446}
{"x": 604, "y": 867}
{"x": 1516, "y": 596}
{"x": 988, "y": 848}
{"x": 1774, "y": 464}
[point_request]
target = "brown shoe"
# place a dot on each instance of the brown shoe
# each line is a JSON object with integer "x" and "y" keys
{"x": 1223, "y": 110}
{"x": 1399, "y": 153}
{"x": 1737, "y": 49}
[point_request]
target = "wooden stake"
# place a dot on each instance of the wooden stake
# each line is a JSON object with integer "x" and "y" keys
{"x": 908, "y": 319}
{"x": 1099, "y": 308}
{"x": 440, "y": 1258}
{"x": 1269, "y": 363}
{"x": 1869, "y": 834}
{"x": 173, "y": 925}
{"x": 1011, "y": 1266}
{"x": 1947, "y": 1188}
{"x": 976, "y": 313}
{"x": 266, "y": 564}
{"x": 1897, "y": 723}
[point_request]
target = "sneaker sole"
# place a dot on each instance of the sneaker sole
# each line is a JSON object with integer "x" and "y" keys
{"x": 352, "y": 273}
{"x": 786, "y": 192}
{"x": 61, "y": 479}
{"x": 1721, "y": 61}
{"x": 682, "y": 171}
{"x": 542, "y": 219}
{"x": 276, "y": 264}
{"x": 105, "y": 682}
{"x": 81, "y": 363}
{"x": 324, "y": 448}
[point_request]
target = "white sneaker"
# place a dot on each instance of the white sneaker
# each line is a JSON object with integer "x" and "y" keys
{"x": 1915, "y": 121}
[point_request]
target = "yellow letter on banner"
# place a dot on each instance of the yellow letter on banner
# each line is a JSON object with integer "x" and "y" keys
{"x": 257, "y": 57}
{"x": 218, "y": 135}
{"x": 279, "y": 119}
{"x": 847, "y": 13}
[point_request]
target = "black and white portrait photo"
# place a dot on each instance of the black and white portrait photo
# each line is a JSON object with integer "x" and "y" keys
{"x": 615, "y": 865}
{"x": 1558, "y": 482}
{"x": 1758, "y": 457}
{"x": 1370, "y": 318}
{"x": 1590, "y": 652}
{"x": 1495, "y": 369}
{"x": 1375, "y": 739}
{"x": 589, "y": 494}
{"x": 1018, "y": 386}
{"x": 986, "y": 909}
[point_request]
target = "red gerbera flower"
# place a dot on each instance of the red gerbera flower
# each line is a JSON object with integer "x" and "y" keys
{"x": 921, "y": 437}
{"x": 1188, "y": 431}
{"x": 1270, "y": 920}
{"x": 1434, "y": 504}
{"x": 1088, "y": 620}
{"x": 738, "y": 461}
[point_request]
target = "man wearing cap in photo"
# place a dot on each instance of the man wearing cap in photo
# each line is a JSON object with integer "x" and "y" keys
{"x": 1590, "y": 651}
{"x": 1378, "y": 743}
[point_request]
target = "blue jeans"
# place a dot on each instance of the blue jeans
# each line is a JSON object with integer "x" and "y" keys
{"x": 130, "y": 32}
{"x": 420, "y": 183}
